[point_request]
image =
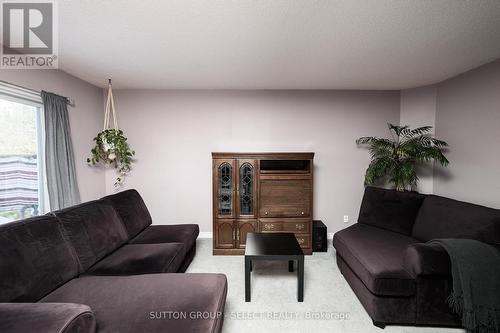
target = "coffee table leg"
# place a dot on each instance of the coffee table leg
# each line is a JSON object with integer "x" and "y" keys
{"x": 248, "y": 264}
{"x": 300, "y": 278}
{"x": 290, "y": 265}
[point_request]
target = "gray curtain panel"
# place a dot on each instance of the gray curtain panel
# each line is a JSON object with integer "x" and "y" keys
{"x": 59, "y": 157}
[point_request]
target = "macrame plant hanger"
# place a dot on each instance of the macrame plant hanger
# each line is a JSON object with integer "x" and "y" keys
{"x": 110, "y": 111}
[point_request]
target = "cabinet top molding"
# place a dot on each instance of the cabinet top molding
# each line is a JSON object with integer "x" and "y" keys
{"x": 269, "y": 155}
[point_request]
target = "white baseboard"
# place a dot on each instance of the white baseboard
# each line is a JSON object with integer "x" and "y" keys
{"x": 330, "y": 235}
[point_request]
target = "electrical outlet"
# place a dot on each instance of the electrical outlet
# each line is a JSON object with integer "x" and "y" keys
{"x": 346, "y": 219}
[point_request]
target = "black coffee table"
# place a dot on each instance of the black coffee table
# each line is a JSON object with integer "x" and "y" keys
{"x": 274, "y": 246}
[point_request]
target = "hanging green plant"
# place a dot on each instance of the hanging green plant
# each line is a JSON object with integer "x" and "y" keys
{"x": 111, "y": 147}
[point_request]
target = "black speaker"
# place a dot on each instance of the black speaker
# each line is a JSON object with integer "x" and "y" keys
{"x": 319, "y": 237}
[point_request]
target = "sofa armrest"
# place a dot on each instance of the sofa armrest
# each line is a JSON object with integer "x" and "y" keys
{"x": 427, "y": 259}
{"x": 46, "y": 317}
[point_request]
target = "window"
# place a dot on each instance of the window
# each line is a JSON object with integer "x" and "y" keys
{"x": 21, "y": 150}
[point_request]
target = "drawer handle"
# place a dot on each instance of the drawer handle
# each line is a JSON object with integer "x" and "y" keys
{"x": 302, "y": 213}
{"x": 266, "y": 213}
{"x": 269, "y": 226}
{"x": 301, "y": 240}
{"x": 299, "y": 226}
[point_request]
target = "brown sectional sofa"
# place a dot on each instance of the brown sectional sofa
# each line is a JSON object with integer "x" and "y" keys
{"x": 102, "y": 267}
{"x": 397, "y": 276}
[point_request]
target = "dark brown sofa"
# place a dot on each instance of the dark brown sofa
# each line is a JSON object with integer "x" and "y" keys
{"x": 102, "y": 267}
{"x": 384, "y": 257}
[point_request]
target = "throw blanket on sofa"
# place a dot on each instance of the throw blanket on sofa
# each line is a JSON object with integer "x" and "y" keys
{"x": 475, "y": 268}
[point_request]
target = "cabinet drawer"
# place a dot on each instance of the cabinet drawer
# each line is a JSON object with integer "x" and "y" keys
{"x": 285, "y": 225}
{"x": 304, "y": 240}
{"x": 285, "y": 198}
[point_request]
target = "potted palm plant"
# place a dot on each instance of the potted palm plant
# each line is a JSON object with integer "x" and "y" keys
{"x": 396, "y": 159}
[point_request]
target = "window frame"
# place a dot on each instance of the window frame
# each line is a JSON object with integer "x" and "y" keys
{"x": 17, "y": 94}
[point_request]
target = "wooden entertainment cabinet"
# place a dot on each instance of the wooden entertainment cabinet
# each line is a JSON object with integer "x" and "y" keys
{"x": 261, "y": 192}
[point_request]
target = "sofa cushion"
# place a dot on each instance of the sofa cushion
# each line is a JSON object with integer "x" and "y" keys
{"x": 390, "y": 209}
{"x": 141, "y": 303}
{"x": 34, "y": 259}
{"x": 141, "y": 259}
{"x": 376, "y": 256}
{"x": 132, "y": 210}
{"x": 95, "y": 230}
{"x": 179, "y": 233}
{"x": 46, "y": 317}
{"x": 383, "y": 309}
{"x": 442, "y": 217}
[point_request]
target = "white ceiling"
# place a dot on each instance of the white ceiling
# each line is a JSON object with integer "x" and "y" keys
{"x": 275, "y": 44}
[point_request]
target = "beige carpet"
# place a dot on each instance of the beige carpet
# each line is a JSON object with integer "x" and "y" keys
{"x": 329, "y": 303}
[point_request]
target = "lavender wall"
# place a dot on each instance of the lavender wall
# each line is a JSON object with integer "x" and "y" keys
{"x": 468, "y": 118}
{"x": 418, "y": 108}
{"x": 174, "y": 133}
{"x": 85, "y": 118}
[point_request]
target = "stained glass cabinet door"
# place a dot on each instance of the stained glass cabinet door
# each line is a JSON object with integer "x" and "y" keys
{"x": 225, "y": 187}
{"x": 235, "y": 202}
{"x": 246, "y": 190}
